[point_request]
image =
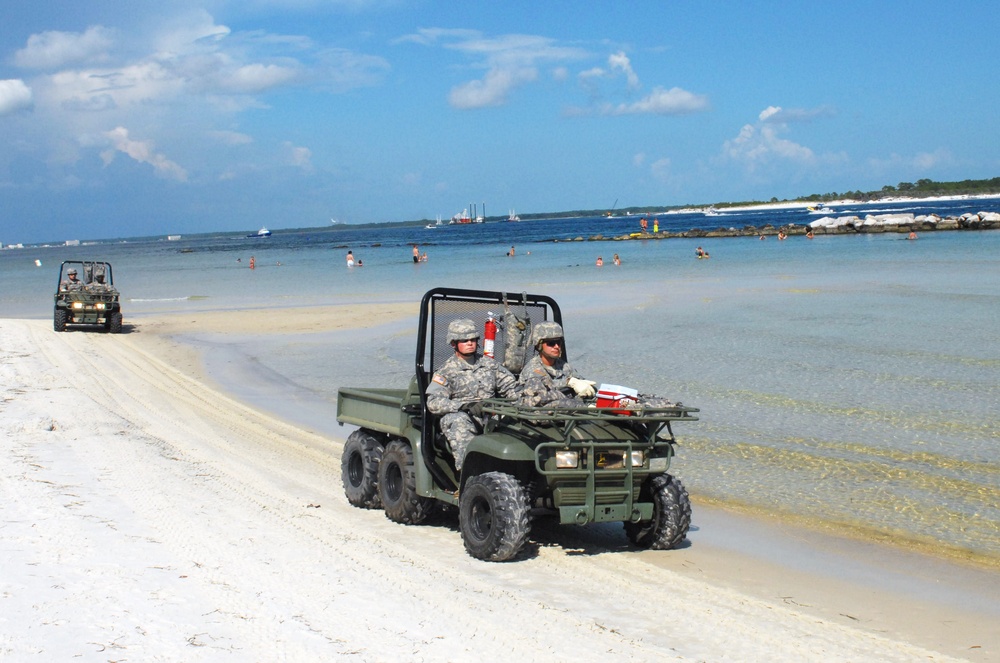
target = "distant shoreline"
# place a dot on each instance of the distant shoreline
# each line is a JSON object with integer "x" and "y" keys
{"x": 829, "y": 224}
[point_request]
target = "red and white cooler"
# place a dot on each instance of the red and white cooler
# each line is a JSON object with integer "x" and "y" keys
{"x": 616, "y": 396}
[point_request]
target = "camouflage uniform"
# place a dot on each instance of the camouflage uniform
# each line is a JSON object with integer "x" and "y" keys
{"x": 459, "y": 382}
{"x": 548, "y": 385}
{"x": 543, "y": 385}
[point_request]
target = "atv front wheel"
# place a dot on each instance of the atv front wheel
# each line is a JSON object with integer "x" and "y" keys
{"x": 671, "y": 515}
{"x": 359, "y": 469}
{"x": 397, "y": 486}
{"x": 59, "y": 320}
{"x": 115, "y": 323}
{"x": 493, "y": 516}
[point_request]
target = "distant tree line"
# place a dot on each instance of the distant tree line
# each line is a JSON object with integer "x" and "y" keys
{"x": 920, "y": 189}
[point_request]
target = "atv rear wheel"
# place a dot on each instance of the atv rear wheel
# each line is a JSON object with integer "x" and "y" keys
{"x": 493, "y": 516}
{"x": 359, "y": 469}
{"x": 671, "y": 514}
{"x": 397, "y": 486}
{"x": 59, "y": 320}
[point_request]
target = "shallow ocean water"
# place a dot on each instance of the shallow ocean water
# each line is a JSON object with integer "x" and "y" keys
{"x": 849, "y": 380}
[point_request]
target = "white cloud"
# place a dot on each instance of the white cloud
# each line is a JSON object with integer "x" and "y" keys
{"x": 779, "y": 115}
{"x": 619, "y": 61}
{"x": 638, "y": 159}
{"x": 51, "y": 50}
{"x": 492, "y": 90}
{"x": 258, "y": 77}
{"x": 141, "y": 151}
{"x": 299, "y": 157}
{"x": 674, "y": 101}
{"x": 758, "y": 145}
{"x": 14, "y": 96}
{"x": 510, "y": 61}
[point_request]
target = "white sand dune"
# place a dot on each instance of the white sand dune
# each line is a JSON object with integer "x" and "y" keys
{"x": 147, "y": 516}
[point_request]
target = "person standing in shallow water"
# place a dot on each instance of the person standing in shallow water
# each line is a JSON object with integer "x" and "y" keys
{"x": 416, "y": 253}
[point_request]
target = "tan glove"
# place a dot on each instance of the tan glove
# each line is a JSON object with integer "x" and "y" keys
{"x": 583, "y": 388}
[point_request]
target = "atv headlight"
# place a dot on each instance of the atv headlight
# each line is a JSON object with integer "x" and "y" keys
{"x": 99, "y": 305}
{"x": 567, "y": 460}
{"x": 77, "y": 305}
{"x": 637, "y": 458}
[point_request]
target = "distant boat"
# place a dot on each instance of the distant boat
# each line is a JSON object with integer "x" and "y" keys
{"x": 263, "y": 232}
{"x": 513, "y": 217}
{"x": 711, "y": 211}
{"x": 173, "y": 238}
{"x": 818, "y": 207}
{"x": 462, "y": 217}
{"x": 435, "y": 225}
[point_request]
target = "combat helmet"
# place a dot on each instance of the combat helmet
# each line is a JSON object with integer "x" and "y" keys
{"x": 462, "y": 330}
{"x": 545, "y": 331}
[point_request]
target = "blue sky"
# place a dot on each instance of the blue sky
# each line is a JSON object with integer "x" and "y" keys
{"x": 126, "y": 119}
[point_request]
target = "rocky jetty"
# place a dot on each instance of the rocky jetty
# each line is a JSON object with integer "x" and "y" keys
{"x": 829, "y": 225}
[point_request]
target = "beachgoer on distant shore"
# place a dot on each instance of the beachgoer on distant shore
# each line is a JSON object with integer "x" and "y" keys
{"x": 423, "y": 257}
{"x": 600, "y": 261}
{"x": 510, "y": 254}
{"x": 350, "y": 259}
{"x": 656, "y": 225}
{"x": 253, "y": 263}
{"x": 416, "y": 253}
{"x": 912, "y": 235}
{"x": 810, "y": 235}
{"x": 617, "y": 260}
{"x": 701, "y": 253}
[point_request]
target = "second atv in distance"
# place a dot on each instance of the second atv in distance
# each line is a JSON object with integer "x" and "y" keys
{"x": 86, "y": 295}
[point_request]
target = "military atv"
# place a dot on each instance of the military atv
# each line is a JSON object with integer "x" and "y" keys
{"x": 578, "y": 465}
{"x": 86, "y": 295}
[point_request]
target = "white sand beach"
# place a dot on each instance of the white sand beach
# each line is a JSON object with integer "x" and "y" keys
{"x": 149, "y": 516}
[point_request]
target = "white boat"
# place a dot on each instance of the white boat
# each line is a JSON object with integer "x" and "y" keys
{"x": 462, "y": 217}
{"x": 263, "y": 232}
{"x": 513, "y": 217}
{"x": 173, "y": 238}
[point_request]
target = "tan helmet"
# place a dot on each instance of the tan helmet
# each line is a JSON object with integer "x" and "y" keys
{"x": 462, "y": 330}
{"x": 545, "y": 331}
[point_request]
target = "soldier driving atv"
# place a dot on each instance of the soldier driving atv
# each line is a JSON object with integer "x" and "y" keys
{"x": 549, "y": 380}
{"x": 71, "y": 282}
{"x": 465, "y": 379}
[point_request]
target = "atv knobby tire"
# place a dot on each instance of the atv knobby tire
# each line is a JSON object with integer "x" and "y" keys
{"x": 359, "y": 469}
{"x": 115, "y": 323}
{"x": 397, "y": 486}
{"x": 671, "y": 514}
{"x": 59, "y": 320}
{"x": 493, "y": 516}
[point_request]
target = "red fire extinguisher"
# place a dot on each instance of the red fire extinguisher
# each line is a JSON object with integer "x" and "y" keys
{"x": 489, "y": 334}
